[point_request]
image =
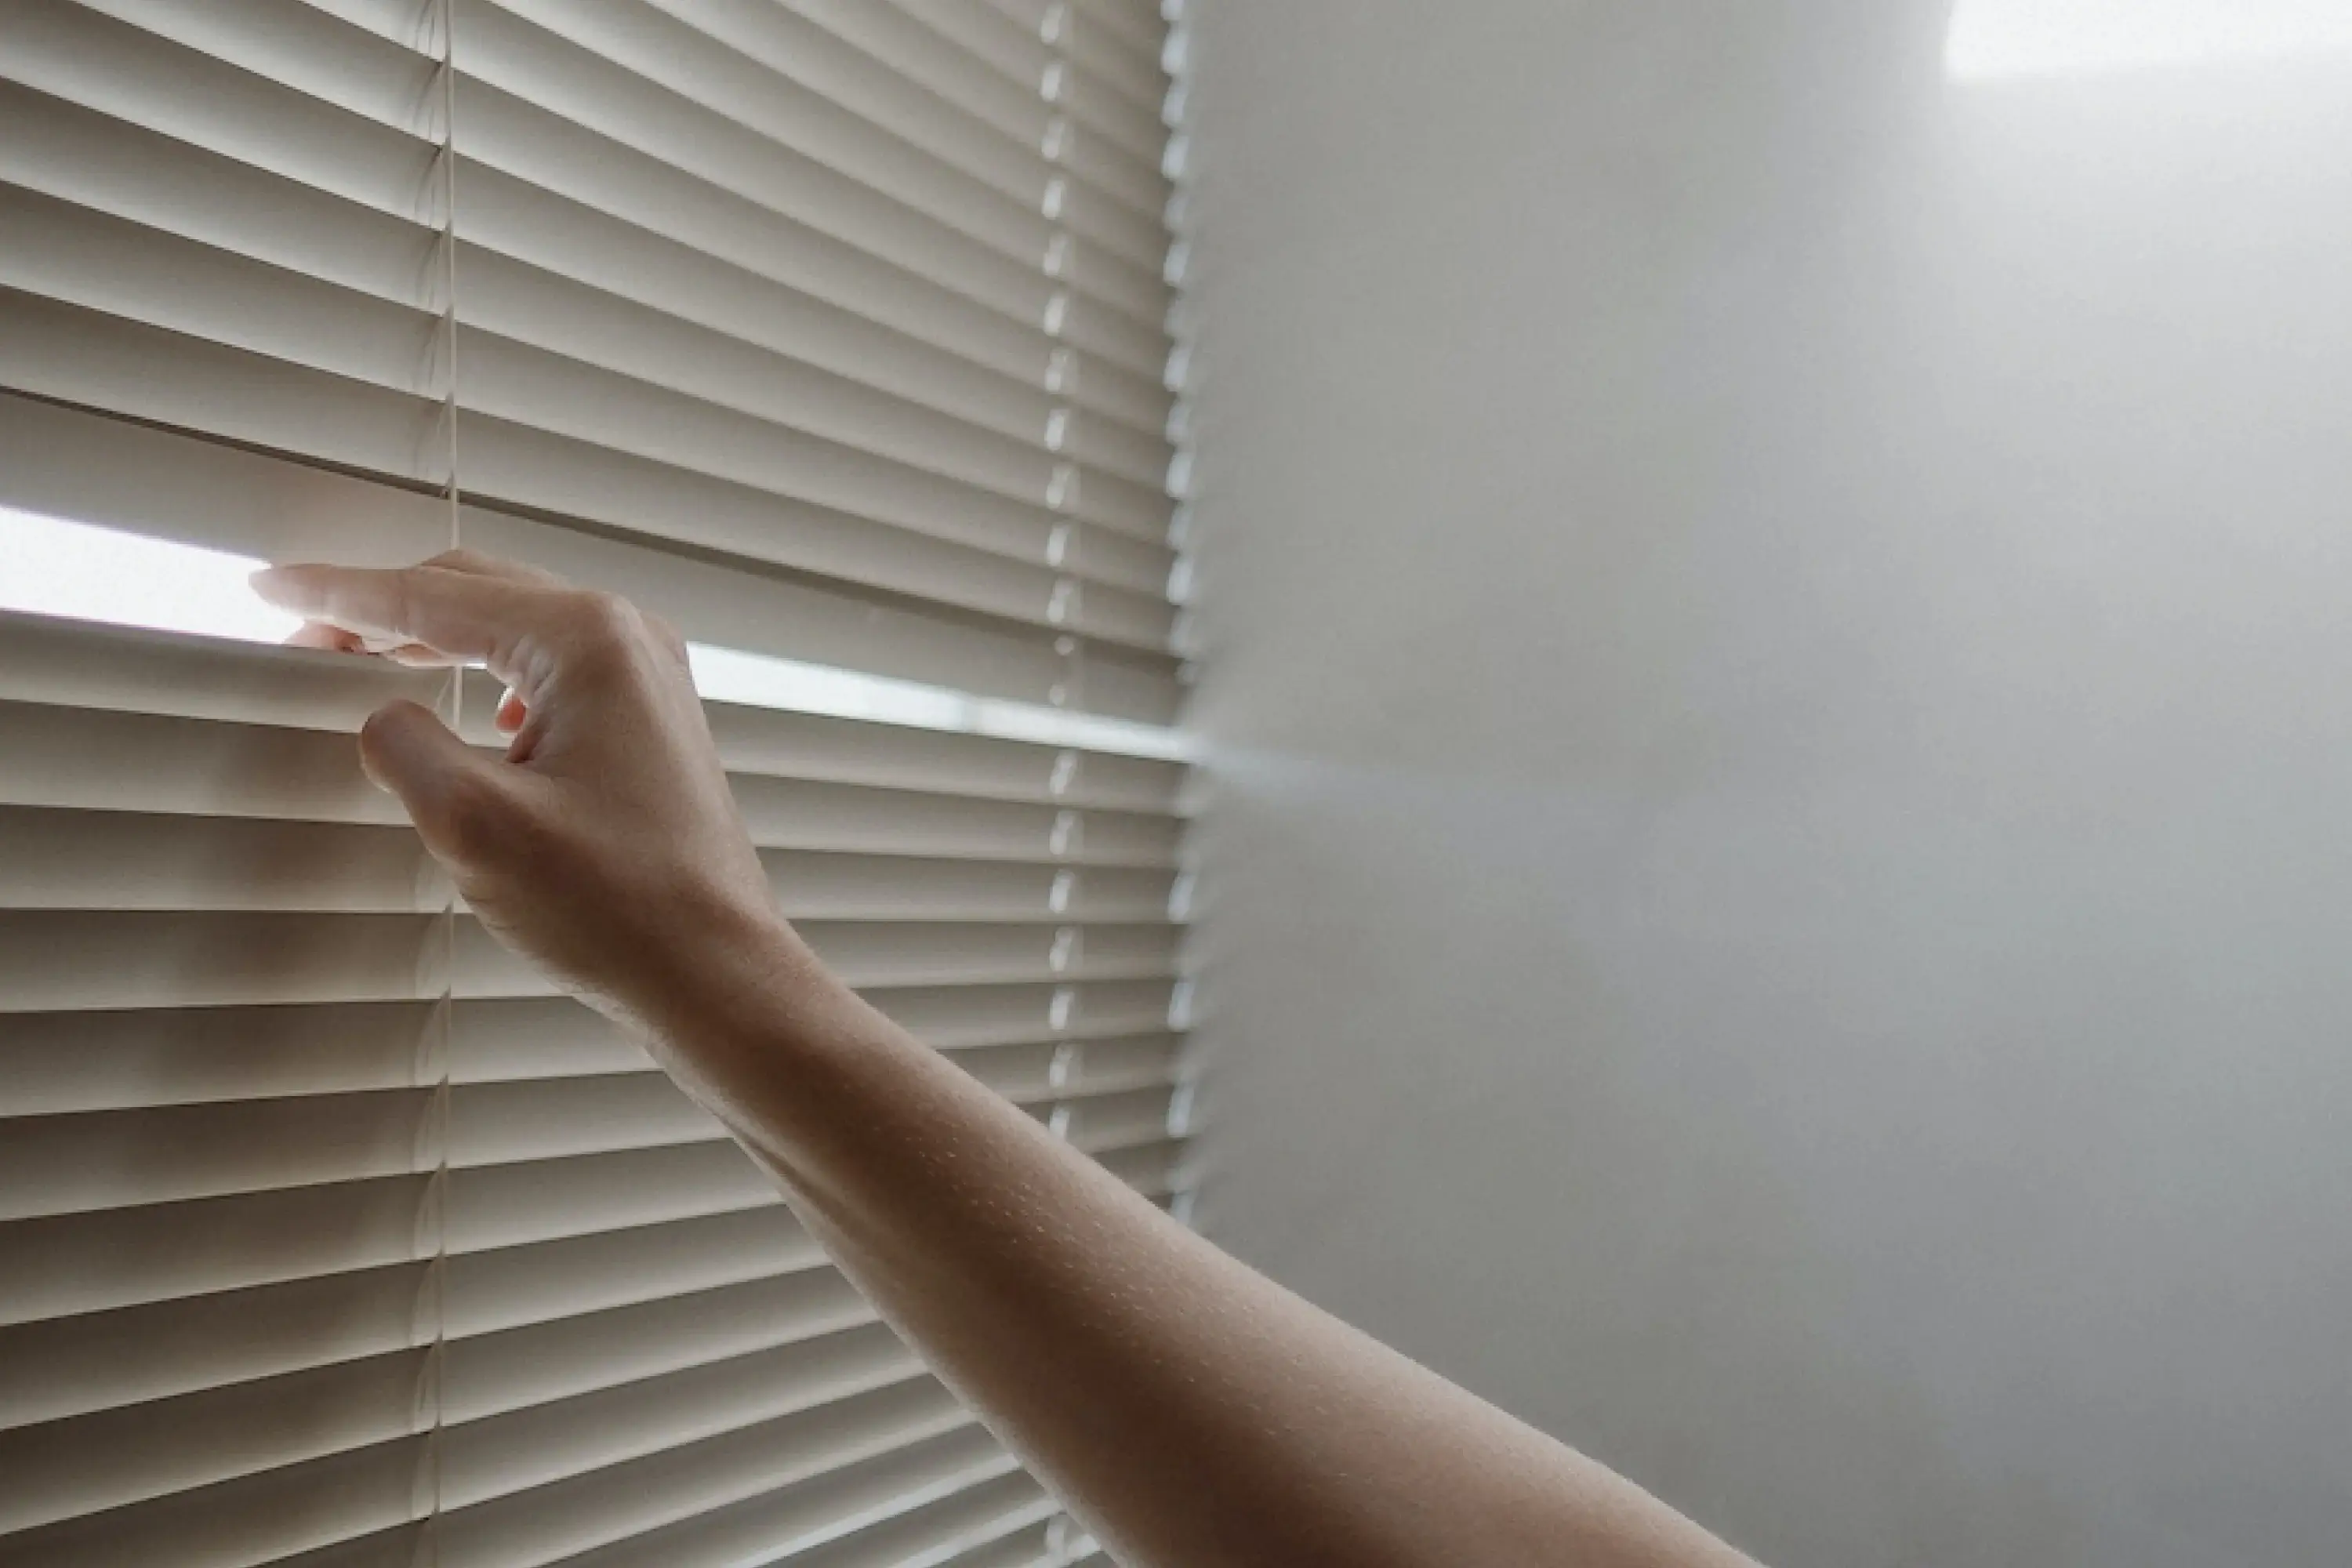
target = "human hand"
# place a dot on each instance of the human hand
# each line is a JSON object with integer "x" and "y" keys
{"x": 605, "y": 845}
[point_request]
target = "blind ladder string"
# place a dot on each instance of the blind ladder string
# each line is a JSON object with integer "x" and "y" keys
{"x": 445, "y": 1005}
{"x": 1063, "y": 609}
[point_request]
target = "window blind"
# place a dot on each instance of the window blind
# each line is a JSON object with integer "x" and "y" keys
{"x": 832, "y": 330}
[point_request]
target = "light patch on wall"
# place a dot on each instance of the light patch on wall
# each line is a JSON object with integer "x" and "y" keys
{"x": 1996, "y": 39}
{"x": 56, "y": 567}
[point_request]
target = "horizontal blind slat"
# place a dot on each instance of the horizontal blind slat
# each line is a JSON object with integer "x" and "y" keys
{"x": 368, "y": 218}
{"x": 113, "y": 166}
{"x": 52, "y": 756}
{"x": 1122, "y": 265}
{"x": 85, "y": 185}
{"x": 363, "y": 403}
{"x": 144, "y": 77}
{"x": 1018, "y": 108}
{"x": 1127, "y": 195}
{"x": 74, "y": 1365}
{"x": 1123, "y": 111}
{"x": 559, "y": 431}
{"x": 124, "y": 1059}
{"x": 821, "y": 1505}
{"x": 293, "y": 1371}
{"x": 556, "y": 1358}
{"x": 533, "y": 146}
{"x": 121, "y": 1258}
{"x": 54, "y": 960}
{"x": 1002, "y": 388}
{"x": 1124, "y": 51}
{"x": 598, "y": 1270}
{"x": 493, "y": 1206}
{"x": 1029, "y": 1546}
{"x": 112, "y": 1460}
{"x": 85, "y": 1162}
{"x": 95, "y": 1263}
{"x": 539, "y": 1443}
{"x": 69, "y": 858}
{"x": 69, "y": 463}
{"x": 385, "y": 71}
{"x": 897, "y": 1514}
{"x": 514, "y": 303}
{"x": 242, "y": 1523}
{"x": 548, "y": 1522}
{"x": 523, "y": 59}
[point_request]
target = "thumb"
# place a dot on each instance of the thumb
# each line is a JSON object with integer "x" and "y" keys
{"x": 452, "y": 792}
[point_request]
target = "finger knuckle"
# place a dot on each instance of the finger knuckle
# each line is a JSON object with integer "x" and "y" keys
{"x": 668, "y": 636}
{"x": 607, "y": 617}
{"x": 612, "y": 632}
{"x": 405, "y": 586}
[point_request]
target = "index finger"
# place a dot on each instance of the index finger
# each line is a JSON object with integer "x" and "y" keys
{"x": 466, "y": 615}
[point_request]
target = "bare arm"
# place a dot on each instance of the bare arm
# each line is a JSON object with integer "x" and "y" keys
{"x": 1187, "y": 1409}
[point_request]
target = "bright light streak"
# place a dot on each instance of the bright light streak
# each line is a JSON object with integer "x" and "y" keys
{"x": 1993, "y": 40}
{"x": 52, "y": 567}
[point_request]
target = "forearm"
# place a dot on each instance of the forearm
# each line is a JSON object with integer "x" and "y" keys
{"x": 1190, "y": 1410}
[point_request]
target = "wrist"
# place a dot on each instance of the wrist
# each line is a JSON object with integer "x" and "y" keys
{"x": 729, "y": 996}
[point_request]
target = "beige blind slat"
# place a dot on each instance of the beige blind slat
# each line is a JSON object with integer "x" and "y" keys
{"x": 100, "y": 1261}
{"x": 1099, "y": 37}
{"x": 1121, "y": 253}
{"x": 1120, "y": 318}
{"x": 1118, "y": 203}
{"x": 62, "y": 663}
{"x": 1107, "y": 95}
{"x": 71, "y": 860}
{"x": 62, "y": 1367}
{"x": 1020, "y": 108}
{"x": 368, "y": 137}
{"x": 53, "y": 961}
{"x": 241, "y": 1523}
{"x": 87, "y": 1427}
{"x": 55, "y": 1064}
{"x": 72, "y": 464}
{"x": 520, "y": 1368}
{"x": 69, "y": 757}
{"x": 363, "y": 271}
{"x": 366, "y": 217}
{"x": 67, "y": 352}
{"x": 1030, "y": 1546}
{"x": 530, "y": 145}
{"x": 346, "y": 1496}
{"x": 898, "y": 1515}
{"x": 91, "y": 1464}
{"x": 81, "y": 1162}
{"x": 600, "y": 1270}
{"x": 555, "y": 1440}
{"x": 1120, "y": 420}
{"x": 811, "y": 1509}
{"x": 547, "y": 1523}
{"x": 75, "y": 1365}
{"x": 795, "y": 151}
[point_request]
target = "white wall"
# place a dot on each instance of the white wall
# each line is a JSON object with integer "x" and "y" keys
{"x": 1779, "y": 885}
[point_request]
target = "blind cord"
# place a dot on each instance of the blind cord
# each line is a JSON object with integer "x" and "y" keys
{"x": 446, "y": 1005}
